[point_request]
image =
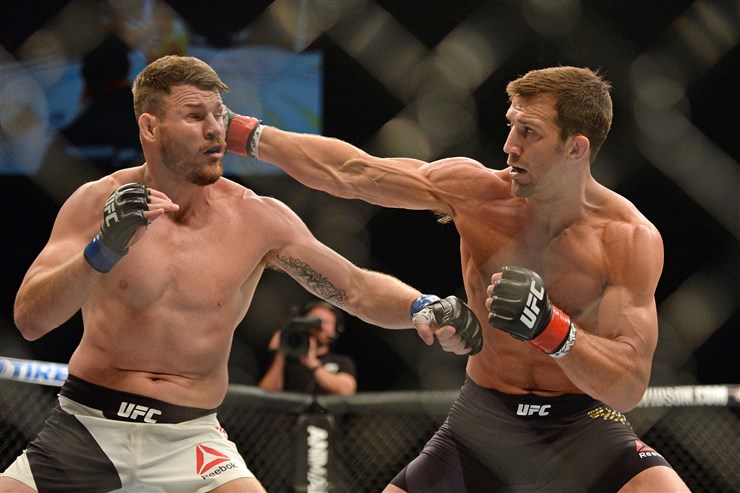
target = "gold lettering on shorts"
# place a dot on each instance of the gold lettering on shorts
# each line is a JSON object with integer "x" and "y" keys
{"x": 607, "y": 414}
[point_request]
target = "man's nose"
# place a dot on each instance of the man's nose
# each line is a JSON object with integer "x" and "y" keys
{"x": 214, "y": 127}
{"x": 511, "y": 147}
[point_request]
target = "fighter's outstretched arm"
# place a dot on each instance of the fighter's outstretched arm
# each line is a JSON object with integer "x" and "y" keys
{"x": 377, "y": 298}
{"x": 341, "y": 169}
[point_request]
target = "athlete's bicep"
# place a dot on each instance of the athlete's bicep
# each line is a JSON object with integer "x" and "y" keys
{"x": 629, "y": 318}
{"x": 374, "y": 297}
{"x": 299, "y": 254}
{"x": 407, "y": 183}
{"x": 627, "y": 311}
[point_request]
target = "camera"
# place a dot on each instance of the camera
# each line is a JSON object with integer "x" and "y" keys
{"x": 295, "y": 339}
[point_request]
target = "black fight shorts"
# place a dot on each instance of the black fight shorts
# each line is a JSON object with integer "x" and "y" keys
{"x": 496, "y": 442}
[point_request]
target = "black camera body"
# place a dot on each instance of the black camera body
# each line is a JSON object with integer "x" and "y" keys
{"x": 295, "y": 339}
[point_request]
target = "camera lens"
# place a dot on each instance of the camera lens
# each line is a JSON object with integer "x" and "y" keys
{"x": 295, "y": 340}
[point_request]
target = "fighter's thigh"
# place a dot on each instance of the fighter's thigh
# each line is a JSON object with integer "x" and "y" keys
{"x": 658, "y": 479}
{"x": 391, "y": 488}
{"x": 10, "y": 485}
{"x": 241, "y": 485}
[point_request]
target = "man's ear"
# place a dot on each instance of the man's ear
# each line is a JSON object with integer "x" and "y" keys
{"x": 148, "y": 126}
{"x": 579, "y": 147}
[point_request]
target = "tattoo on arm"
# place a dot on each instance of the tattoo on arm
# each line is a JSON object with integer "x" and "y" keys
{"x": 314, "y": 281}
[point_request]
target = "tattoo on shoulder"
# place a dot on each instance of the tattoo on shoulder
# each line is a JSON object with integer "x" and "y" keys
{"x": 312, "y": 279}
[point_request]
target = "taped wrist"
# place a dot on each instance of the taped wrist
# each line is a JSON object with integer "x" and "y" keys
{"x": 243, "y": 135}
{"x": 100, "y": 257}
{"x": 555, "y": 332}
{"x": 567, "y": 344}
{"x": 419, "y": 312}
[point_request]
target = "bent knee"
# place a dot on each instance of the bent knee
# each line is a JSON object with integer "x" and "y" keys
{"x": 657, "y": 479}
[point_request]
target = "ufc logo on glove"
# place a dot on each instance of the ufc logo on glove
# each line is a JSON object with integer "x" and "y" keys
{"x": 531, "y": 310}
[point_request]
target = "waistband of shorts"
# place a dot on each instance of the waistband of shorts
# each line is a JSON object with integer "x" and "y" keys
{"x": 125, "y": 406}
{"x": 533, "y": 405}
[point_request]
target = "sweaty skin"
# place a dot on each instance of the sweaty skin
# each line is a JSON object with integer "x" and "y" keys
{"x": 161, "y": 322}
{"x": 600, "y": 257}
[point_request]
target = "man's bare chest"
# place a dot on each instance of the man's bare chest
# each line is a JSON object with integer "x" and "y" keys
{"x": 195, "y": 268}
{"x": 572, "y": 263}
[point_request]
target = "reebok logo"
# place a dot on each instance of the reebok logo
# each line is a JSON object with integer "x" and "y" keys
{"x": 532, "y": 409}
{"x": 531, "y": 310}
{"x": 133, "y": 411}
{"x": 210, "y": 459}
{"x": 644, "y": 451}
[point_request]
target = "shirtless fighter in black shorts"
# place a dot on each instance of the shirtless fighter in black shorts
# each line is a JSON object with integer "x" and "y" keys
{"x": 540, "y": 411}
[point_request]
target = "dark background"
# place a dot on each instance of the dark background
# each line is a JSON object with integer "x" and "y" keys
{"x": 688, "y": 186}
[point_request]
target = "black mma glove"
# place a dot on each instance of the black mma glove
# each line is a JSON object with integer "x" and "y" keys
{"x": 123, "y": 214}
{"x": 242, "y": 133}
{"x": 449, "y": 311}
{"x": 521, "y": 307}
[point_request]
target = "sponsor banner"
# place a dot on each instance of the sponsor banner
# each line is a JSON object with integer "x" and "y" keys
{"x": 687, "y": 395}
{"x": 40, "y": 372}
{"x": 314, "y": 471}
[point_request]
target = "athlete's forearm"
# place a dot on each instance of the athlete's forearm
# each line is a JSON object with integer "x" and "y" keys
{"x": 318, "y": 162}
{"x": 48, "y": 298}
{"x": 337, "y": 167}
{"x": 381, "y": 300}
{"x": 608, "y": 370}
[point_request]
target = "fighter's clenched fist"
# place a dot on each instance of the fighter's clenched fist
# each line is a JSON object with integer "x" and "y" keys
{"x": 449, "y": 312}
{"x": 125, "y": 211}
{"x": 519, "y": 305}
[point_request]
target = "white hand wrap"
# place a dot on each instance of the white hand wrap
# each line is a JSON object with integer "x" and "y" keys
{"x": 423, "y": 316}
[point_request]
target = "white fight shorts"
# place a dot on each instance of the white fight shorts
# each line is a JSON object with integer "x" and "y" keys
{"x": 118, "y": 441}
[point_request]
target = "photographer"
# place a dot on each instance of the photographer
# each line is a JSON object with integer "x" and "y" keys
{"x": 304, "y": 361}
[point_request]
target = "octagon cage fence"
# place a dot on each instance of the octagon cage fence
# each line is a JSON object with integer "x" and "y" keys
{"x": 299, "y": 443}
